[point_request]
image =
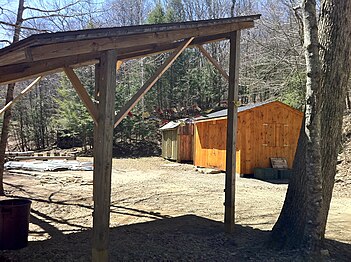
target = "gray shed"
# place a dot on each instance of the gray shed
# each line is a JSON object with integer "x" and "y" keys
{"x": 177, "y": 140}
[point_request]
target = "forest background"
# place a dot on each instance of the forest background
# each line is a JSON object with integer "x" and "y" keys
{"x": 272, "y": 67}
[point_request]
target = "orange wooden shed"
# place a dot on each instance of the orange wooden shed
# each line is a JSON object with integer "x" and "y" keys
{"x": 265, "y": 130}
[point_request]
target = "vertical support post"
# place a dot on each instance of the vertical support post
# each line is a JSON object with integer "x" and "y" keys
{"x": 232, "y": 119}
{"x": 105, "y": 81}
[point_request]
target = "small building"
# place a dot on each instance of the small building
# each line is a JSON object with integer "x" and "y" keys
{"x": 177, "y": 140}
{"x": 265, "y": 130}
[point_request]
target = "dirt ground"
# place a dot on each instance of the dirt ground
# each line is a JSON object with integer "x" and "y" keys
{"x": 161, "y": 210}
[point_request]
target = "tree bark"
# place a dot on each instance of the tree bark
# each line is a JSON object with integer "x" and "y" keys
{"x": 335, "y": 35}
{"x": 294, "y": 227}
{"x": 312, "y": 233}
{"x": 9, "y": 97}
{"x": 4, "y": 135}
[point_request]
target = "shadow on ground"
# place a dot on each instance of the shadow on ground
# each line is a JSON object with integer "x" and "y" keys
{"x": 189, "y": 238}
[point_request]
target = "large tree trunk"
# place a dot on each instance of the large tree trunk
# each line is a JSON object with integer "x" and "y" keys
{"x": 302, "y": 208}
{"x": 334, "y": 35}
{"x": 9, "y": 97}
{"x": 288, "y": 230}
{"x": 335, "y": 28}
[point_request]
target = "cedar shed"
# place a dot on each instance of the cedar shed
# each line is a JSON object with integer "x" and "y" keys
{"x": 177, "y": 140}
{"x": 265, "y": 130}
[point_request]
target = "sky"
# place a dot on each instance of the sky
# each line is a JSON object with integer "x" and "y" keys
{"x": 8, "y": 10}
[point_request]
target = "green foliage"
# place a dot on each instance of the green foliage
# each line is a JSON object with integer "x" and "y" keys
{"x": 295, "y": 93}
{"x": 175, "y": 11}
{"x": 157, "y": 15}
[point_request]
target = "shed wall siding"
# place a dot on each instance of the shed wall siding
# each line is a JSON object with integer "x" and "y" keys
{"x": 185, "y": 147}
{"x": 270, "y": 130}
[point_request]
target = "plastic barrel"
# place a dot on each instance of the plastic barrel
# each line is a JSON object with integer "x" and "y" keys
{"x": 14, "y": 223}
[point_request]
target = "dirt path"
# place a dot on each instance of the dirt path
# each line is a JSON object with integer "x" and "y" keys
{"x": 151, "y": 190}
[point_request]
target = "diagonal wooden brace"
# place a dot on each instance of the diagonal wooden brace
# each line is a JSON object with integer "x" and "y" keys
{"x": 148, "y": 84}
{"x": 213, "y": 61}
{"x": 82, "y": 93}
{"x": 24, "y": 91}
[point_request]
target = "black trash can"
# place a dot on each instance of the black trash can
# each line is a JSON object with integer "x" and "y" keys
{"x": 14, "y": 223}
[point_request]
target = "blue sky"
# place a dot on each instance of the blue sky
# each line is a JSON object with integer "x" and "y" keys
{"x": 8, "y": 10}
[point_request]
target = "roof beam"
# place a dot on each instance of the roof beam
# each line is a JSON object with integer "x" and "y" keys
{"x": 17, "y": 55}
{"x": 148, "y": 84}
{"x": 82, "y": 93}
{"x": 23, "y": 92}
{"x": 67, "y": 36}
{"x": 23, "y": 71}
{"x": 42, "y": 52}
{"x": 152, "y": 49}
{"x": 213, "y": 61}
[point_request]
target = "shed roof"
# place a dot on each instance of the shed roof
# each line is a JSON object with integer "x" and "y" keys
{"x": 176, "y": 123}
{"x": 223, "y": 113}
{"x": 170, "y": 125}
{"x": 46, "y": 53}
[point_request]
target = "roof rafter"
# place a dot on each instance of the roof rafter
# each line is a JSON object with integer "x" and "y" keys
{"x": 44, "y": 54}
{"x": 23, "y": 71}
{"x": 55, "y": 45}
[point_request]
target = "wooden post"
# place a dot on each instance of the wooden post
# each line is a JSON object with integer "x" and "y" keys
{"x": 229, "y": 213}
{"x": 103, "y": 136}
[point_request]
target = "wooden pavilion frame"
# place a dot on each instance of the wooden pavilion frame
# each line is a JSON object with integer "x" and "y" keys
{"x": 106, "y": 48}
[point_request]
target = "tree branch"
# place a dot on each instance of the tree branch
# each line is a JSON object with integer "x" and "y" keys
{"x": 24, "y": 27}
{"x": 50, "y": 11}
{"x": 5, "y": 41}
{"x": 53, "y": 15}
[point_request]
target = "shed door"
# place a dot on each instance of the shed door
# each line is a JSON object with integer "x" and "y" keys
{"x": 269, "y": 134}
{"x": 275, "y": 135}
{"x": 282, "y": 135}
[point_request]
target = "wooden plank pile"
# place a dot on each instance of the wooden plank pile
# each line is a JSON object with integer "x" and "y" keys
{"x": 31, "y": 155}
